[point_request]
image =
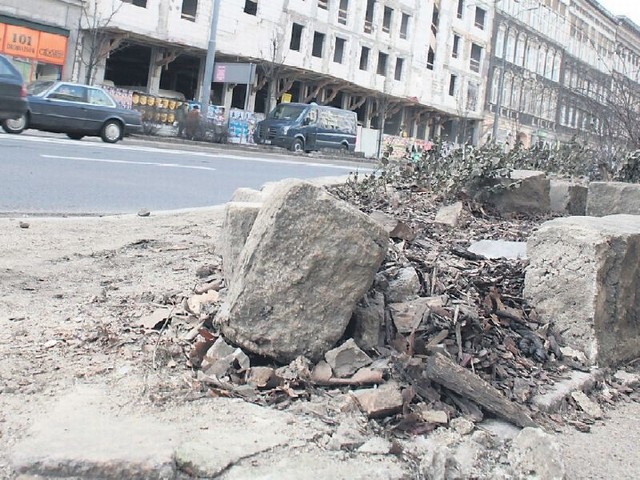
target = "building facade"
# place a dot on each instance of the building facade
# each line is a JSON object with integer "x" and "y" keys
{"x": 523, "y": 71}
{"x": 561, "y": 69}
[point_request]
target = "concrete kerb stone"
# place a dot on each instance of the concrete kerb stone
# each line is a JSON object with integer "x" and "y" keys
{"x": 610, "y": 198}
{"x": 567, "y": 197}
{"x": 584, "y": 276}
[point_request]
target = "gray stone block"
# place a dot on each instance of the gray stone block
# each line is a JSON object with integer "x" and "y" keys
{"x": 584, "y": 276}
{"x": 237, "y": 223}
{"x": 610, "y": 198}
{"x": 568, "y": 198}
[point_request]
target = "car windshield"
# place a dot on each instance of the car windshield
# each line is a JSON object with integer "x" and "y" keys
{"x": 36, "y": 88}
{"x": 287, "y": 112}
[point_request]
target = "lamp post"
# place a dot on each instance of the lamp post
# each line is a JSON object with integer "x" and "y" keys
{"x": 211, "y": 56}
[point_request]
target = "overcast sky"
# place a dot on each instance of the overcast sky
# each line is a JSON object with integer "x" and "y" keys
{"x": 629, "y": 8}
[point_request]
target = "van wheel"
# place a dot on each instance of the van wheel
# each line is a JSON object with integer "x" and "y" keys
{"x": 344, "y": 148}
{"x": 297, "y": 145}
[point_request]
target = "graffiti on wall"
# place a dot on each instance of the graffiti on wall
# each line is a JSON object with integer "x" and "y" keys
{"x": 397, "y": 146}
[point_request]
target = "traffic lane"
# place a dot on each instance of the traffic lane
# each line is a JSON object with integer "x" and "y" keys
{"x": 64, "y": 181}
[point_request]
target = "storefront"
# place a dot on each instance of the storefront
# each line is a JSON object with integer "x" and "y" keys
{"x": 38, "y": 51}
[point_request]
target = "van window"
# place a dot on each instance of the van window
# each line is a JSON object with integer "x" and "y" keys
{"x": 286, "y": 111}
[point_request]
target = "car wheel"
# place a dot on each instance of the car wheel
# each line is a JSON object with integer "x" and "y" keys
{"x": 344, "y": 148}
{"x": 75, "y": 136}
{"x": 111, "y": 131}
{"x": 15, "y": 125}
{"x": 297, "y": 145}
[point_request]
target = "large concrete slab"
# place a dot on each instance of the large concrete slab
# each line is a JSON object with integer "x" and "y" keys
{"x": 84, "y": 434}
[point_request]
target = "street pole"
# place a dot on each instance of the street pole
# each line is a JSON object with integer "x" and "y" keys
{"x": 211, "y": 56}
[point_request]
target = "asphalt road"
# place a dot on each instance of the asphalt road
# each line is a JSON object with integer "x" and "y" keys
{"x": 42, "y": 174}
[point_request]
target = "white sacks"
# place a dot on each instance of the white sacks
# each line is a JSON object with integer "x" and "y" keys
{"x": 584, "y": 276}
{"x": 307, "y": 261}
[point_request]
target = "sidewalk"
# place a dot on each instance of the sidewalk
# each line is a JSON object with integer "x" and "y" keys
{"x": 268, "y": 149}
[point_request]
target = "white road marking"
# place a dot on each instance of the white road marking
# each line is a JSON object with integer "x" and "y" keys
{"x": 130, "y": 162}
{"x": 174, "y": 151}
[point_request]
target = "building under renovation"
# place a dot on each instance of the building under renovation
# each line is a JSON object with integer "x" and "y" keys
{"x": 465, "y": 70}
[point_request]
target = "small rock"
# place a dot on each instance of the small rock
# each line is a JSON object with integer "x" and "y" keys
{"x": 535, "y": 454}
{"x": 348, "y": 436}
{"x": 627, "y": 379}
{"x": 587, "y": 405}
{"x": 574, "y": 354}
{"x": 462, "y": 425}
{"x": 222, "y": 357}
{"x": 404, "y": 286}
{"x": 407, "y": 316}
{"x": 500, "y": 249}
{"x": 196, "y": 302}
{"x": 347, "y": 359}
{"x": 321, "y": 372}
{"x": 485, "y": 439}
{"x": 449, "y": 214}
{"x": 376, "y": 446}
{"x": 155, "y": 320}
{"x": 23, "y": 225}
{"x": 367, "y": 320}
{"x": 261, "y": 377}
{"x": 380, "y": 402}
{"x": 434, "y": 416}
{"x": 298, "y": 369}
{"x": 394, "y": 227}
{"x": 144, "y": 213}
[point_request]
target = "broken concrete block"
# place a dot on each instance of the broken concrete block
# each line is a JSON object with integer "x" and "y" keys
{"x": 247, "y": 195}
{"x": 462, "y": 425}
{"x": 346, "y": 359}
{"x": 587, "y": 405}
{"x": 405, "y": 285}
{"x": 551, "y": 400}
{"x": 610, "y": 198}
{"x": 584, "y": 276}
{"x": 307, "y": 261}
{"x": 348, "y": 436}
{"x": 568, "y": 198}
{"x": 367, "y": 321}
{"x": 536, "y": 454}
{"x": 527, "y": 191}
{"x": 500, "y": 249}
{"x": 380, "y": 402}
{"x": 407, "y": 316}
{"x": 449, "y": 214}
{"x": 237, "y": 223}
{"x": 394, "y": 227}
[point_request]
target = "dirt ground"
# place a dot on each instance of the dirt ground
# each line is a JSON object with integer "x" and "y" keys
{"x": 72, "y": 289}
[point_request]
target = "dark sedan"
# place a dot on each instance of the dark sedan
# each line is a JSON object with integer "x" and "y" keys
{"x": 77, "y": 110}
{"x": 13, "y": 95}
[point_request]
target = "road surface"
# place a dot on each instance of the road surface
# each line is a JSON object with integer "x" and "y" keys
{"x": 52, "y": 175}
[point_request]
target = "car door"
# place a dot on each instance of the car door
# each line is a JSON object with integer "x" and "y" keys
{"x": 63, "y": 109}
{"x": 99, "y": 107}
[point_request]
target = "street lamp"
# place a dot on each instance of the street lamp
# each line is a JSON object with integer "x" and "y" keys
{"x": 211, "y": 56}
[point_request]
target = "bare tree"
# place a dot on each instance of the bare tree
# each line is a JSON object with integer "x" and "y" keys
{"x": 272, "y": 71}
{"x": 97, "y": 41}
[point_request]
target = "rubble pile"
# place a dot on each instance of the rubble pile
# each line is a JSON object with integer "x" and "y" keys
{"x": 438, "y": 333}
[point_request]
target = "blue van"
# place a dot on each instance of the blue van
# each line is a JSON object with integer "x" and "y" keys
{"x": 302, "y": 127}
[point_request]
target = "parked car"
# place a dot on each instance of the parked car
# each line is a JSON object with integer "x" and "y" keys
{"x": 13, "y": 94}
{"x": 77, "y": 110}
{"x": 299, "y": 126}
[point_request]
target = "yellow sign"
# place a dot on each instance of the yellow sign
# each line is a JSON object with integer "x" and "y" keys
{"x": 286, "y": 98}
{"x": 28, "y": 43}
